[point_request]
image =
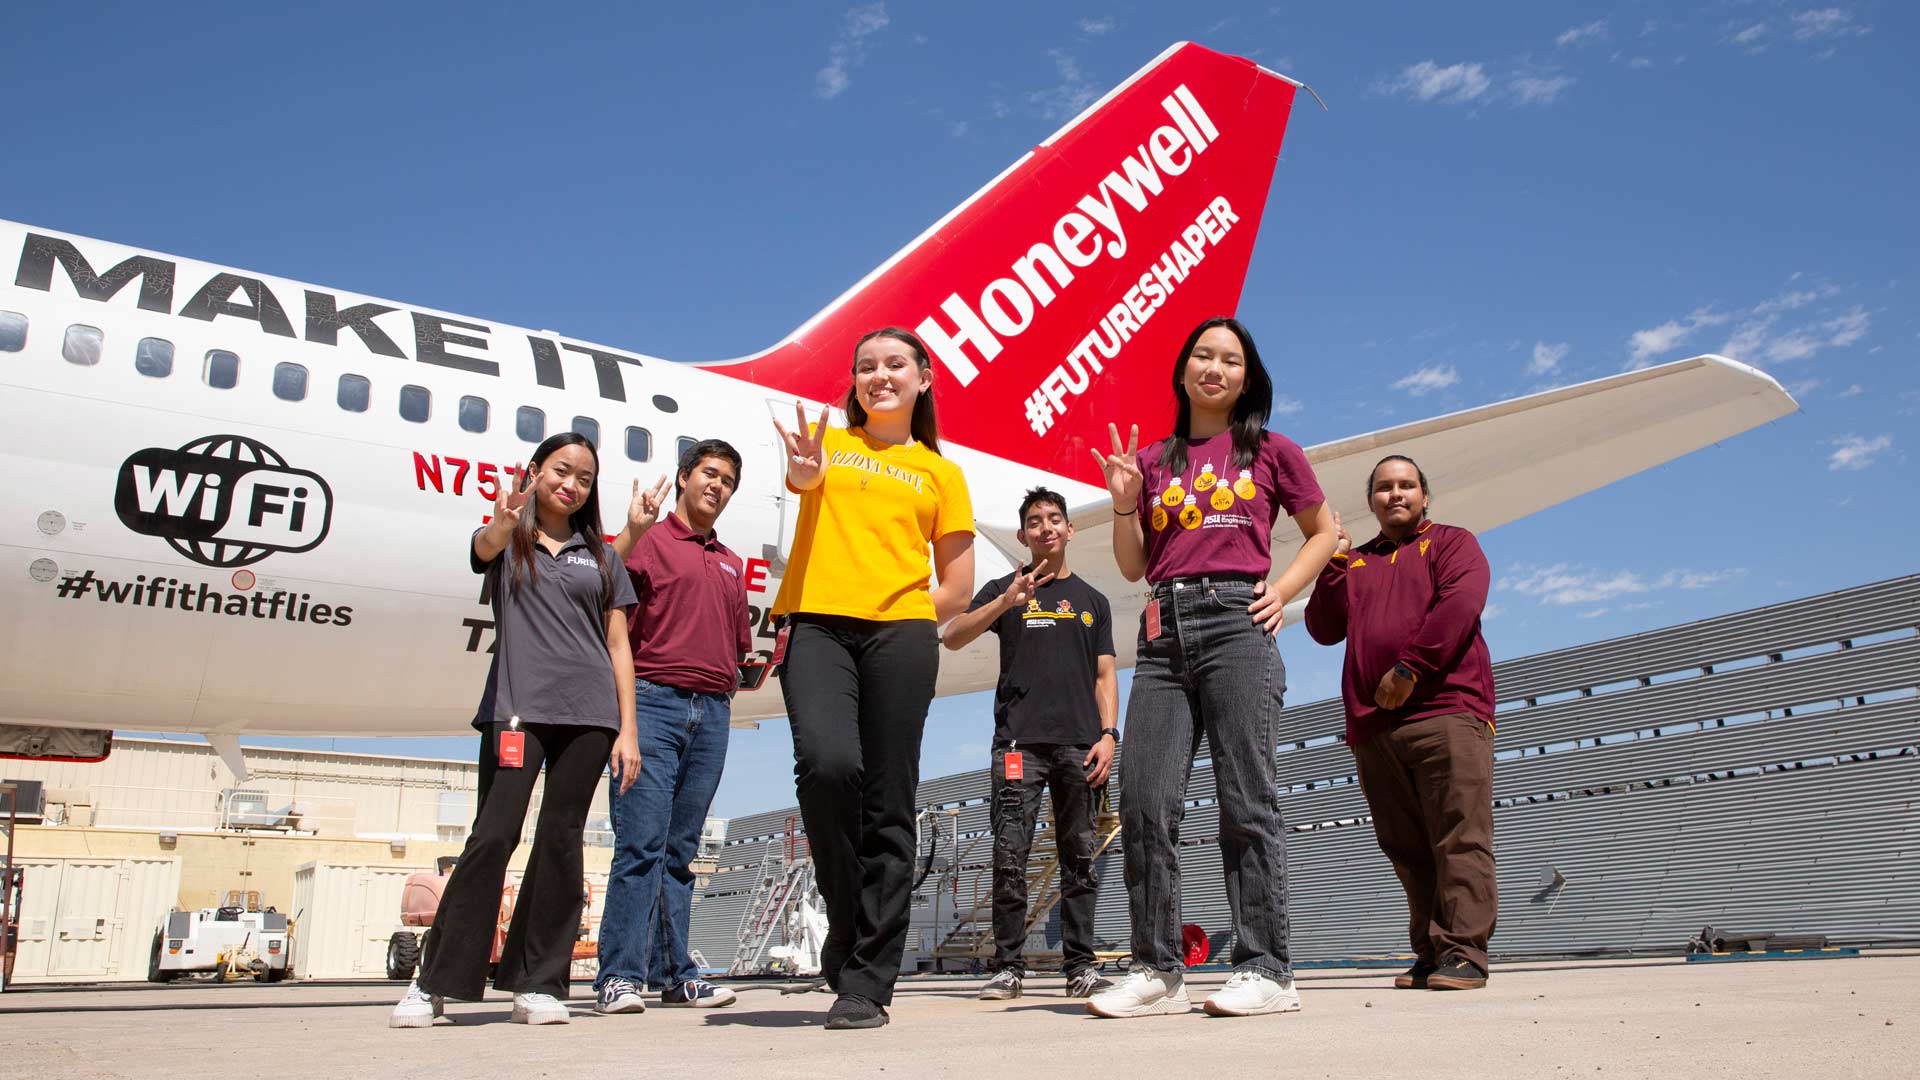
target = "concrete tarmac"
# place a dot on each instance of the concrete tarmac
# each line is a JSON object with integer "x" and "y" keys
{"x": 1829, "y": 1018}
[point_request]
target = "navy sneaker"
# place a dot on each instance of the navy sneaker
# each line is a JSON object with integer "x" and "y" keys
{"x": 697, "y": 994}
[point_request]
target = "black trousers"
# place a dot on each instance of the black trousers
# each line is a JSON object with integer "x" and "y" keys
{"x": 538, "y": 952}
{"x": 857, "y": 692}
{"x": 1062, "y": 770}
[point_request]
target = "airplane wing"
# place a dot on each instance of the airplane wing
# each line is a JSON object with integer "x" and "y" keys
{"x": 1493, "y": 464}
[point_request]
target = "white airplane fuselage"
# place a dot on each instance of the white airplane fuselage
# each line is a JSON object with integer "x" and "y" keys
{"x": 293, "y": 562}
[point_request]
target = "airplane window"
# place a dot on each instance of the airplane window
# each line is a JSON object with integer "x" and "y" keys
{"x": 685, "y": 443}
{"x": 13, "y": 331}
{"x": 355, "y": 391}
{"x": 530, "y": 424}
{"x": 153, "y": 357}
{"x": 289, "y": 382}
{"x": 589, "y": 427}
{"x": 82, "y": 345}
{"x": 473, "y": 414}
{"x": 665, "y": 404}
{"x": 639, "y": 444}
{"x": 415, "y": 403}
{"x": 223, "y": 369}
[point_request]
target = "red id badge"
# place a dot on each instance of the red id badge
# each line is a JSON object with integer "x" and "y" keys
{"x": 1153, "y": 619}
{"x": 780, "y": 644}
{"x": 511, "y": 752}
{"x": 1016, "y": 766}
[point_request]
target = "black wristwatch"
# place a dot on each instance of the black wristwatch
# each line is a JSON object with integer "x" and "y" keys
{"x": 1111, "y": 732}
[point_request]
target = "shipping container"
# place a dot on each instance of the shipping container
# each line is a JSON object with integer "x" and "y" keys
{"x": 92, "y": 919}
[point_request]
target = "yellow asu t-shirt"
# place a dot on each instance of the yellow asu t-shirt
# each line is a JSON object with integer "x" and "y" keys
{"x": 863, "y": 545}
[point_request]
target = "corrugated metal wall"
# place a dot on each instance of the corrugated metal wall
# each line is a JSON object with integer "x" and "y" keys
{"x": 1756, "y": 771}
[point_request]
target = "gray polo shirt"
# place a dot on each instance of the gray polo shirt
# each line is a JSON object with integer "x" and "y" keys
{"x": 550, "y": 662}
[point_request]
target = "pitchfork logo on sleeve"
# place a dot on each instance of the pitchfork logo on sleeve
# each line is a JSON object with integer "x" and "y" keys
{"x": 223, "y": 500}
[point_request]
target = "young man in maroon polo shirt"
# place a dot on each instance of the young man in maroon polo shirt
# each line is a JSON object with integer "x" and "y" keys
{"x": 689, "y": 632}
{"x": 1418, "y": 687}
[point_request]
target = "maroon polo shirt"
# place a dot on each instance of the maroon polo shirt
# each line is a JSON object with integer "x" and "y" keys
{"x": 690, "y": 628}
{"x": 1418, "y": 604}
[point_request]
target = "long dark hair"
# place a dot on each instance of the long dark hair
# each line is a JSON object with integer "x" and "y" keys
{"x": 584, "y": 520}
{"x": 926, "y": 419}
{"x": 1250, "y": 412}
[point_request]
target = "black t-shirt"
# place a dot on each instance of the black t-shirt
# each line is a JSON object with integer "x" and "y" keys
{"x": 1049, "y": 657}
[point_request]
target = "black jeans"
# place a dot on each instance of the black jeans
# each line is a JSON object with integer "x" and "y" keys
{"x": 857, "y": 692}
{"x": 1211, "y": 671}
{"x": 1061, "y": 769}
{"x": 538, "y": 952}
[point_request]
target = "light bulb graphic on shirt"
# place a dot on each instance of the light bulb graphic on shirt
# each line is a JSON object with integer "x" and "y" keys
{"x": 1206, "y": 479}
{"x": 1190, "y": 514}
{"x": 1243, "y": 487}
{"x": 1159, "y": 517}
{"x": 1222, "y": 498}
{"x": 1174, "y": 492}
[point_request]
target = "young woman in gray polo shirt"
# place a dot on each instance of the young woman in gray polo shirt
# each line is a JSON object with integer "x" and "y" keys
{"x": 559, "y": 694}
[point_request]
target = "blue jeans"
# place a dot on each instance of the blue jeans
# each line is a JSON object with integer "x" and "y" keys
{"x": 656, "y": 832}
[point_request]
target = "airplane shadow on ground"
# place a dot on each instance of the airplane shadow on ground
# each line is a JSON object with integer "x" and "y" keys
{"x": 735, "y": 1018}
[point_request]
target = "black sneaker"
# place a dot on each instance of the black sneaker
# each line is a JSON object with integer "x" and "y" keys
{"x": 1415, "y": 977}
{"x": 1457, "y": 974}
{"x": 1086, "y": 982}
{"x": 1004, "y": 986}
{"x": 850, "y": 1012}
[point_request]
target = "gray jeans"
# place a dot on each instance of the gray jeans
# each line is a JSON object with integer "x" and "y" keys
{"x": 1211, "y": 671}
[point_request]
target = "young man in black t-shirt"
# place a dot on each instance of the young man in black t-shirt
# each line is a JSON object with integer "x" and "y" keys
{"x": 1054, "y": 715}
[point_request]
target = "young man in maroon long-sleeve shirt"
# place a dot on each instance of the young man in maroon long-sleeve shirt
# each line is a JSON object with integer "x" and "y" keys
{"x": 1418, "y": 688}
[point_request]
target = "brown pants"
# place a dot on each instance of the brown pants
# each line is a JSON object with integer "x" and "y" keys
{"x": 1429, "y": 784}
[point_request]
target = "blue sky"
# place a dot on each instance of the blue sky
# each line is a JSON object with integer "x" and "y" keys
{"x": 1503, "y": 197}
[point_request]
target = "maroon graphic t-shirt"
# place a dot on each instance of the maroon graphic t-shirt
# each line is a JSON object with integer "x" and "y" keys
{"x": 1215, "y": 517}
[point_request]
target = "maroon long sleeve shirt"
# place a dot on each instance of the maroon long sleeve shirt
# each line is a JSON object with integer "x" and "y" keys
{"x": 1417, "y": 604}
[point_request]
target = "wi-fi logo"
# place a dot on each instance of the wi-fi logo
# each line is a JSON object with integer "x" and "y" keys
{"x": 223, "y": 500}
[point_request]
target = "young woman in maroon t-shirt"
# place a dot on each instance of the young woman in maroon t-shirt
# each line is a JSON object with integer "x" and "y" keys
{"x": 1194, "y": 514}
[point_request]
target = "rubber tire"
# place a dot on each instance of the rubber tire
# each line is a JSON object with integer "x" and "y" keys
{"x": 403, "y": 956}
{"x": 154, "y": 974}
{"x": 275, "y": 974}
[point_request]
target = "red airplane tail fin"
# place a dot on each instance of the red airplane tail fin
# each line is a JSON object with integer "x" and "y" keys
{"x": 1053, "y": 300}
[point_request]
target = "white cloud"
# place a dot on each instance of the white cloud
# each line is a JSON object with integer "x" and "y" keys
{"x": 1852, "y": 390}
{"x": 1286, "y": 406}
{"x": 1563, "y": 583}
{"x": 1639, "y": 62}
{"x": 1594, "y": 614}
{"x": 1856, "y": 453}
{"x": 1593, "y": 31}
{"x": 1752, "y": 38}
{"x": 1450, "y": 85}
{"x": 1826, "y": 23}
{"x": 1646, "y": 345}
{"x": 1491, "y": 611}
{"x": 1758, "y": 339}
{"x": 1803, "y": 387}
{"x": 1071, "y": 94}
{"x": 1538, "y": 89}
{"x": 1428, "y": 379}
{"x": 1105, "y": 24}
{"x": 849, "y": 49}
{"x": 1547, "y": 357}
{"x": 957, "y": 129}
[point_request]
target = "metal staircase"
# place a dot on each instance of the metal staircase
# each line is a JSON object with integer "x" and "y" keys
{"x": 971, "y": 938}
{"x": 785, "y": 879}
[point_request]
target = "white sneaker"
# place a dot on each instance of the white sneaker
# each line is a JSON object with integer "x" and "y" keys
{"x": 538, "y": 1009}
{"x": 619, "y": 995}
{"x": 417, "y": 1008}
{"x": 1254, "y": 993}
{"x": 1143, "y": 993}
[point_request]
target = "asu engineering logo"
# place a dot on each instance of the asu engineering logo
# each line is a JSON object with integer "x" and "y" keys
{"x": 224, "y": 500}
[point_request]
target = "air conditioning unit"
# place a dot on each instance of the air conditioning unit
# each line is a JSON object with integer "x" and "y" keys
{"x": 27, "y": 802}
